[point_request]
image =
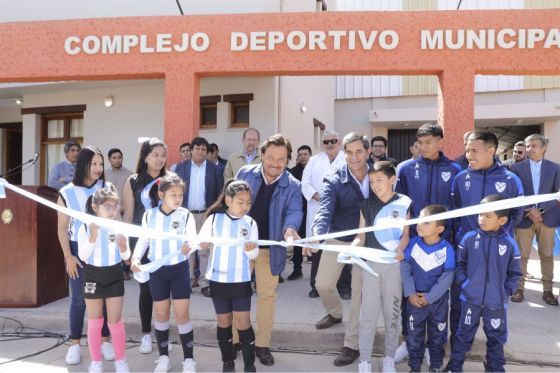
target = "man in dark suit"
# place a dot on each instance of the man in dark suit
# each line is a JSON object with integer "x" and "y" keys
{"x": 204, "y": 182}
{"x": 214, "y": 157}
{"x": 538, "y": 176}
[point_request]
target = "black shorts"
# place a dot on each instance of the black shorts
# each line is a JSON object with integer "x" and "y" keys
{"x": 171, "y": 281}
{"x": 103, "y": 282}
{"x": 228, "y": 297}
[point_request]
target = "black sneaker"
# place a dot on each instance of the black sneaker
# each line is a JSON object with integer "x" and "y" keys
{"x": 313, "y": 293}
{"x": 280, "y": 279}
{"x": 250, "y": 369}
{"x": 229, "y": 366}
{"x": 206, "y": 291}
{"x": 328, "y": 321}
{"x": 264, "y": 355}
{"x": 295, "y": 276}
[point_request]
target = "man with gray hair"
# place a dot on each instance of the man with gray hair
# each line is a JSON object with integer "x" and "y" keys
{"x": 249, "y": 155}
{"x": 339, "y": 210}
{"x": 319, "y": 166}
{"x": 538, "y": 176}
{"x": 63, "y": 172}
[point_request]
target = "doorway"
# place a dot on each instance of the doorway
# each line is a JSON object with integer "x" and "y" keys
{"x": 10, "y": 158}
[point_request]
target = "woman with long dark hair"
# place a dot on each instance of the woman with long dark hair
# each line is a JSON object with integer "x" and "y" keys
{"x": 136, "y": 200}
{"x": 88, "y": 178}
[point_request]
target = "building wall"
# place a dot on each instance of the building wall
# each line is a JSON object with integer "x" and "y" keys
{"x": 262, "y": 112}
{"x": 316, "y": 95}
{"x": 137, "y": 112}
{"x": 10, "y": 114}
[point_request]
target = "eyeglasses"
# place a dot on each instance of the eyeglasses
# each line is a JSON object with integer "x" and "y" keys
{"x": 110, "y": 207}
{"x": 378, "y": 146}
{"x": 518, "y": 152}
{"x": 332, "y": 141}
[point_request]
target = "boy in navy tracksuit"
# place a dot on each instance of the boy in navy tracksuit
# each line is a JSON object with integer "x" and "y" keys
{"x": 427, "y": 272}
{"x": 483, "y": 177}
{"x": 487, "y": 272}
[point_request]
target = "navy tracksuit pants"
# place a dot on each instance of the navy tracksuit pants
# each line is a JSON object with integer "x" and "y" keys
{"x": 433, "y": 320}
{"x": 494, "y": 322}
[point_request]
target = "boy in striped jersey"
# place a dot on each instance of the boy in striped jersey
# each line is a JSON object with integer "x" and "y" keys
{"x": 171, "y": 280}
{"x": 229, "y": 269}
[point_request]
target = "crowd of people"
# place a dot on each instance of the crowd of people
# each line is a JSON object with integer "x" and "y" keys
{"x": 442, "y": 277}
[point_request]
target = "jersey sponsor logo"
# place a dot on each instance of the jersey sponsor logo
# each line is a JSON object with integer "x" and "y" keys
{"x": 502, "y": 249}
{"x": 495, "y": 323}
{"x": 441, "y": 326}
{"x": 90, "y": 287}
{"x": 446, "y": 175}
{"x": 500, "y": 186}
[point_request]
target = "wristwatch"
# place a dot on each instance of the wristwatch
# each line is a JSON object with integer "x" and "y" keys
{"x": 541, "y": 211}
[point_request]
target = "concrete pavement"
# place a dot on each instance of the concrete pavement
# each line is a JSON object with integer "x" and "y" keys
{"x": 534, "y": 330}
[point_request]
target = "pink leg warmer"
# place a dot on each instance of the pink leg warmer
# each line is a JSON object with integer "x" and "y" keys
{"x": 118, "y": 337}
{"x": 94, "y": 338}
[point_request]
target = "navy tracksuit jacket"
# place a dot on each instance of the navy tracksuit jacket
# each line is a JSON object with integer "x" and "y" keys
{"x": 487, "y": 272}
{"x": 428, "y": 182}
{"x": 427, "y": 269}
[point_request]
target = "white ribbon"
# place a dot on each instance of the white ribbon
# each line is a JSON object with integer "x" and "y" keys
{"x": 353, "y": 253}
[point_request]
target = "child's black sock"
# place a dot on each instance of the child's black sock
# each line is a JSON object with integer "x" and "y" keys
{"x": 247, "y": 339}
{"x": 187, "y": 336}
{"x": 225, "y": 340}
{"x": 162, "y": 337}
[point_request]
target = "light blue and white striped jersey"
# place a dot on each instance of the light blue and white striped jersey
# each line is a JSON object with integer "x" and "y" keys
{"x": 229, "y": 263}
{"x": 75, "y": 198}
{"x": 104, "y": 252}
{"x": 180, "y": 221}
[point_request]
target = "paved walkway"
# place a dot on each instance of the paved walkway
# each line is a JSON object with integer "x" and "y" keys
{"x": 534, "y": 328}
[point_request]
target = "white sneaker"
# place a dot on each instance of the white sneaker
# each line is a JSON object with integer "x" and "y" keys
{"x": 95, "y": 367}
{"x": 162, "y": 364}
{"x": 107, "y": 351}
{"x": 189, "y": 366}
{"x": 146, "y": 344}
{"x": 389, "y": 364}
{"x": 121, "y": 366}
{"x": 364, "y": 367}
{"x": 401, "y": 353}
{"x": 427, "y": 357}
{"x": 73, "y": 355}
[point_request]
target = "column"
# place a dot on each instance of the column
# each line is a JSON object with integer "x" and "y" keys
{"x": 455, "y": 108}
{"x": 182, "y": 110}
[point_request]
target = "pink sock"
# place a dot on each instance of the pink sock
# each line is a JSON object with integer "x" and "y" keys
{"x": 118, "y": 337}
{"x": 94, "y": 338}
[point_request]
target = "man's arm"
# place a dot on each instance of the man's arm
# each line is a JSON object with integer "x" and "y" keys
{"x": 327, "y": 205}
{"x": 294, "y": 208}
{"x": 54, "y": 177}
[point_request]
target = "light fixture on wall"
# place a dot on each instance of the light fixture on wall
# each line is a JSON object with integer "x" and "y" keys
{"x": 302, "y": 107}
{"x": 18, "y": 101}
{"x": 109, "y": 101}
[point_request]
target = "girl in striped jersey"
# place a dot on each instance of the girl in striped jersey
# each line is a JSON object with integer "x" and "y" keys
{"x": 229, "y": 270}
{"x": 172, "y": 280}
{"x": 102, "y": 252}
{"x": 88, "y": 178}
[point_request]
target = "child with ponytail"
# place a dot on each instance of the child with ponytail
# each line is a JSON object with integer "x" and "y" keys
{"x": 229, "y": 269}
{"x": 102, "y": 251}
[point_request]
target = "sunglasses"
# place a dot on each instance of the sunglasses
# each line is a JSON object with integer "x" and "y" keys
{"x": 332, "y": 142}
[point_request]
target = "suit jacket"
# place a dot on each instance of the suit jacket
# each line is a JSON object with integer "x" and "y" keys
{"x": 549, "y": 183}
{"x": 213, "y": 182}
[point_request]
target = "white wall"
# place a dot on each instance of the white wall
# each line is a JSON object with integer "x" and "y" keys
{"x": 262, "y": 113}
{"x": 10, "y": 114}
{"x": 137, "y": 112}
{"x": 352, "y": 115}
{"x": 316, "y": 93}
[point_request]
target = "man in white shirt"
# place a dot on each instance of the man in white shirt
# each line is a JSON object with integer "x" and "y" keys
{"x": 319, "y": 165}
